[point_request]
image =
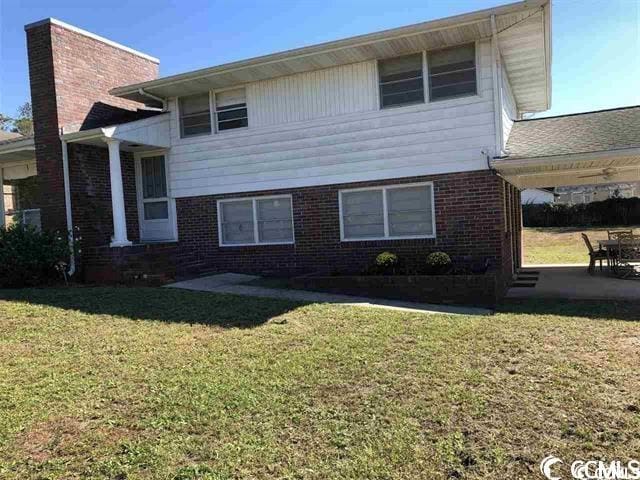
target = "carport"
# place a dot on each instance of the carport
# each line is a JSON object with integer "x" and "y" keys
{"x": 580, "y": 149}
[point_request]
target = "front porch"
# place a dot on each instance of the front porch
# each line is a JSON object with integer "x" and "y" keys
{"x": 143, "y": 143}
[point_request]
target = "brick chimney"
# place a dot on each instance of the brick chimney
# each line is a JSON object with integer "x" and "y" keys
{"x": 71, "y": 72}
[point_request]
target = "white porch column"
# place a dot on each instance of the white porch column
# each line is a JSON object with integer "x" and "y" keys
{"x": 119, "y": 238}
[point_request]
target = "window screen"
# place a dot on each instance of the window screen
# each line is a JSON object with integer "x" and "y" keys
{"x": 409, "y": 211}
{"x": 237, "y": 222}
{"x": 452, "y": 72}
{"x": 156, "y": 210}
{"x": 154, "y": 180}
{"x": 231, "y": 109}
{"x": 195, "y": 117}
{"x": 362, "y": 214}
{"x": 273, "y": 216}
{"x": 401, "y": 80}
{"x": 274, "y": 220}
{"x": 387, "y": 212}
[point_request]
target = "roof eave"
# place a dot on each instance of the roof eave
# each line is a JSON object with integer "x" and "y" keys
{"x": 434, "y": 25}
{"x": 509, "y": 163}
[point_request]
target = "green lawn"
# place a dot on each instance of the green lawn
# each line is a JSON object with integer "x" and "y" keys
{"x": 166, "y": 384}
{"x": 562, "y": 245}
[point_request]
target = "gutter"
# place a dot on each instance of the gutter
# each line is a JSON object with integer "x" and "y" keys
{"x": 496, "y": 70}
{"x": 154, "y": 97}
{"x": 505, "y": 164}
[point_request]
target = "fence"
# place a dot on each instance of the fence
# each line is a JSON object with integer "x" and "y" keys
{"x": 611, "y": 212}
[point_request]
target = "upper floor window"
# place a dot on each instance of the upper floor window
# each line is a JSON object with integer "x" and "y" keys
{"x": 401, "y": 80}
{"x": 195, "y": 116}
{"x": 231, "y": 109}
{"x": 452, "y": 72}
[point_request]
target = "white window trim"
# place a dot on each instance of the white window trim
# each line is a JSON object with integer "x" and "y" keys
{"x": 385, "y": 213}
{"x": 169, "y": 198}
{"x": 256, "y": 235}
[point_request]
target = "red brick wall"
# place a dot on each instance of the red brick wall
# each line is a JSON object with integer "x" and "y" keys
{"x": 469, "y": 224}
{"x": 91, "y": 194}
{"x": 70, "y": 76}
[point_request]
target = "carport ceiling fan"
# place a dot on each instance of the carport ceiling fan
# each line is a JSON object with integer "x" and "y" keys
{"x": 606, "y": 173}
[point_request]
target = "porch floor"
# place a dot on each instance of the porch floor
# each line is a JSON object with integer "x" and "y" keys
{"x": 573, "y": 282}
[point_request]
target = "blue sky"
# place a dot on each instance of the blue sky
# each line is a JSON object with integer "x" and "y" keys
{"x": 596, "y": 43}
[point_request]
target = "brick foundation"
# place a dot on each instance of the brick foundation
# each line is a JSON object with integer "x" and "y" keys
{"x": 470, "y": 219}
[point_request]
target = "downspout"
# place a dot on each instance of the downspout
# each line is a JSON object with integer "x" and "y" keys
{"x": 496, "y": 69}
{"x": 154, "y": 97}
{"x": 67, "y": 202}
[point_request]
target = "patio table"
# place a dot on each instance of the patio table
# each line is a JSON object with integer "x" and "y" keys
{"x": 609, "y": 244}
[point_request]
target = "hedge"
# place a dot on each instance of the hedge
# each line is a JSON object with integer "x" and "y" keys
{"x": 607, "y": 213}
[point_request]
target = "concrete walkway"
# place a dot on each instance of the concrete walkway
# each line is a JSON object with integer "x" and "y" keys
{"x": 573, "y": 282}
{"x": 232, "y": 283}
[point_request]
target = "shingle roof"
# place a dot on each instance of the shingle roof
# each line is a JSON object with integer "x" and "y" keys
{"x": 10, "y": 137}
{"x": 599, "y": 131}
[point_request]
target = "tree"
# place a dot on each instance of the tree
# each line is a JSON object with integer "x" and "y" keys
{"x": 22, "y": 124}
{"x": 5, "y": 122}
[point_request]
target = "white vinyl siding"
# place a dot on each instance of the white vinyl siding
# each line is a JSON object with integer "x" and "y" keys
{"x": 313, "y": 95}
{"x": 255, "y": 221}
{"x": 387, "y": 213}
{"x": 328, "y": 128}
{"x": 195, "y": 115}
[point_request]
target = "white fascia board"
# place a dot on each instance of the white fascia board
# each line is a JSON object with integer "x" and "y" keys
{"x": 361, "y": 40}
{"x": 506, "y": 164}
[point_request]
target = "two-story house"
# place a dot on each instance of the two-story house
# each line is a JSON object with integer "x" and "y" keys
{"x": 312, "y": 159}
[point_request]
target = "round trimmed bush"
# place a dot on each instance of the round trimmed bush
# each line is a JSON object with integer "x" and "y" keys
{"x": 387, "y": 260}
{"x": 438, "y": 262}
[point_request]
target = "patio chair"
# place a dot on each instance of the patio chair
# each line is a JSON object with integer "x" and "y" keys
{"x": 594, "y": 255}
{"x": 628, "y": 256}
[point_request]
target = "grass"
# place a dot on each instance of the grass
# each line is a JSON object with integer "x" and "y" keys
{"x": 551, "y": 245}
{"x": 167, "y": 384}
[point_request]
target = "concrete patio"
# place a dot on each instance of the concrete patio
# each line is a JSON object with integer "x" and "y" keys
{"x": 573, "y": 282}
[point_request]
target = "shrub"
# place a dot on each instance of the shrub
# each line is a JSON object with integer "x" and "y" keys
{"x": 386, "y": 262}
{"x": 611, "y": 212}
{"x": 438, "y": 262}
{"x": 29, "y": 257}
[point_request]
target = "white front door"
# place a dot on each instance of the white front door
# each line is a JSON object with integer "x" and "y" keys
{"x": 155, "y": 208}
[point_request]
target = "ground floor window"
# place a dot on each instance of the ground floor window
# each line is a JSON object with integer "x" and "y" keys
{"x": 19, "y": 195}
{"x": 388, "y": 212}
{"x": 255, "y": 221}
